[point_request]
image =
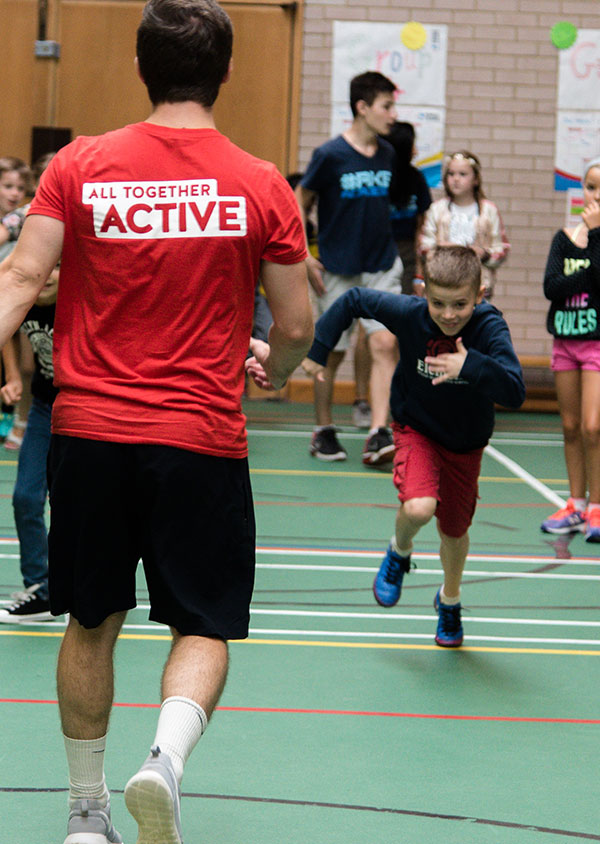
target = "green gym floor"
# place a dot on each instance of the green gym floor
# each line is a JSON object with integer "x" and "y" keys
{"x": 342, "y": 722}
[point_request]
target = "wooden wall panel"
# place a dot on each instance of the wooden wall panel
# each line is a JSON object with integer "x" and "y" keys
{"x": 26, "y": 81}
{"x": 98, "y": 88}
{"x": 93, "y": 87}
{"x": 254, "y": 107}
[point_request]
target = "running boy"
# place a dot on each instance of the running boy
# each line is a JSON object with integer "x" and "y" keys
{"x": 456, "y": 361}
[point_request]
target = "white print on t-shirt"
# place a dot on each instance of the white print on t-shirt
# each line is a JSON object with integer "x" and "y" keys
{"x": 40, "y": 337}
{"x": 153, "y": 210}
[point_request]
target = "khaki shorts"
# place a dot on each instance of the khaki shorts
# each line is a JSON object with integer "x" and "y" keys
{"x": 337, "y": 285}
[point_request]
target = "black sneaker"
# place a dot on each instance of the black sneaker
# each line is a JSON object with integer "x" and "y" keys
{"x": 326, "y": 446}
{"x": 379, "y": 448}
{"x": 26, "y": 606}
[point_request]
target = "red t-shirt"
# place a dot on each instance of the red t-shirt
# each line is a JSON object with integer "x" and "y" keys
{"x": 165, "y": 230}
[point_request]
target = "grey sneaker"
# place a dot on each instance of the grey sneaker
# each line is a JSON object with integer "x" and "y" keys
{"x": 361, "y": 414}
{"x": 89, "y": 823}
{"x": 153, "y": 797}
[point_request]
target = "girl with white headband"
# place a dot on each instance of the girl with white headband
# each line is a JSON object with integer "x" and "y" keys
{"x": 466, "y": 218}
{"x": 572, "y": 284}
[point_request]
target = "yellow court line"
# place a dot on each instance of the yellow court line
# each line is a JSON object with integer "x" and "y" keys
{"x": 314, "y": 473}
{"x": 318, "y": 644}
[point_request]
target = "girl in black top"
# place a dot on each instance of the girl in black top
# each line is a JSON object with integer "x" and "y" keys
{"x": 572, "y": 284}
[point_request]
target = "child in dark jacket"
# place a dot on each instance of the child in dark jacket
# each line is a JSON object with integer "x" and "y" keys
{"x": 456, "y": 362}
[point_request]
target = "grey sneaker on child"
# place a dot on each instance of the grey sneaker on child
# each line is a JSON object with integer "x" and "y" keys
{"x": 89, "y": 821}
{"x": 361, "y": 414}
{"x": 153, "y": 797}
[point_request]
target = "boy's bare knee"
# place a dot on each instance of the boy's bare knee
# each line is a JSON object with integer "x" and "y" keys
{"x": 419, "y": 509}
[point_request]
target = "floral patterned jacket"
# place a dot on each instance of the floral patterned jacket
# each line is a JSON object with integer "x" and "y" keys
{"x": 489, "y": 234}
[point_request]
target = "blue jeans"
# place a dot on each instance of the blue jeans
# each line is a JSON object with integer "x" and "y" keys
{"x": 29, "y": 497}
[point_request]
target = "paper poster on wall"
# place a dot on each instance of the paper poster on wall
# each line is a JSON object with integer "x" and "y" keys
{"x": 577, "y": 142}
{"x": 419, "y": 74}
{"x": 574, "y": 207}
{"x": 578, "y": 118}
{"x": 429, "y": 128}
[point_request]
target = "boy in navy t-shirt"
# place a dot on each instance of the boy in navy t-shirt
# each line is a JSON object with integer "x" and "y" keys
{"x": 349, "y": 178}
{"x": 456, "y": 362}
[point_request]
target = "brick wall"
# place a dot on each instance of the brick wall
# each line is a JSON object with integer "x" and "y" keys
{"x": 501, "y": 104}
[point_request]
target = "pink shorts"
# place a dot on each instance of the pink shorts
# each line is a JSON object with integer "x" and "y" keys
{"x": 425, "y": 469}
{"x": 575, "y": 354}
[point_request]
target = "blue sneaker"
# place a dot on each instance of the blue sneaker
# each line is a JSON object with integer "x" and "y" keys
{"x": 153, "y": 797}
{"x": 567, "y": 520}
{"x": 449, "y": 632}
{"x": 592, "y": 525}
{"x": 89, "y": 821}
{"x": 387, "y": 586}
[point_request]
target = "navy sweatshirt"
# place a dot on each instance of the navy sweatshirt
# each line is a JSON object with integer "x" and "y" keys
{"x": 457, "y": 414}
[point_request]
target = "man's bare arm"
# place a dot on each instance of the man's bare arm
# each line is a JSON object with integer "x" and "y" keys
{"x": 24, "y": 272}
{"x": 291, "y": 334}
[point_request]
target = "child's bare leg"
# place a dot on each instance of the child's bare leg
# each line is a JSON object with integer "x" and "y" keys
{"x": 569, "y": 393}
{"x": 411, "y": 517}
{"x": 324, "y": 389}
{"x": 453, "y": 555}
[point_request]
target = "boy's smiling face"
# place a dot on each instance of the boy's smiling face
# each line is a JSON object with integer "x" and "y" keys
{"x": 451, "y": 307}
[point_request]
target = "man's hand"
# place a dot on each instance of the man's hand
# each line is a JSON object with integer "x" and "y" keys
{"x": 448, "y": 365}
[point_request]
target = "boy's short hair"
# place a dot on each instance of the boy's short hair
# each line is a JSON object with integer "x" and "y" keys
{"x": 453, "y": 266}
{"x": 11, "y": 164}
{"x": 183, "y": 50}
{"x": 366, "y": 86}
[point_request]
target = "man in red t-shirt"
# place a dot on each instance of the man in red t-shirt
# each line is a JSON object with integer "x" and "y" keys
{"x": 164, "y": 227}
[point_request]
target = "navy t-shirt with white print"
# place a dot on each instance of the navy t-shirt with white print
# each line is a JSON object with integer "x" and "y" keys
{"x": 354, "y": 229}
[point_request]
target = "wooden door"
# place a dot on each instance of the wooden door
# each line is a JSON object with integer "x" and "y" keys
{"x": 256, "y": 107}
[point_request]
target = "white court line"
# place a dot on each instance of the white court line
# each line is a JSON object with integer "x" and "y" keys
{"x": 511, "y": 575}
{"x": 408, "y": 617}
{"x": 522, "y": 473}
{"x": 378, "y": 616}
{"x": 419, "y": 555}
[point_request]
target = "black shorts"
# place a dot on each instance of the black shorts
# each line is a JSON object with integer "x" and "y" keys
{"x": 189, "y": 517}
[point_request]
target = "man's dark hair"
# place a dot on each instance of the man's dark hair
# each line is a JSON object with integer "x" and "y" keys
{"x": 183, "y": 50}
{"x": 366, "y": 86}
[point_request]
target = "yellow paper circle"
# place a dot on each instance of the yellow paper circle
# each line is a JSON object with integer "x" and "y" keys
{"x": 413, "y": 35}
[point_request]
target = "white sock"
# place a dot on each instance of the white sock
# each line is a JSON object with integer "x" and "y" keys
{"x": 180, "y": 725}
{"x": 403, "y": 553}
{"x": 446, "y": 599}
{"x": 580, "y": 504}
{"x": 85, "y": 759}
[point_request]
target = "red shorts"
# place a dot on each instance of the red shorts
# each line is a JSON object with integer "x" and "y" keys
{"x": 425, "y": 469}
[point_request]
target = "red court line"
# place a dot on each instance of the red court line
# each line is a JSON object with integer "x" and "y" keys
{"x": 292, "y": 711}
